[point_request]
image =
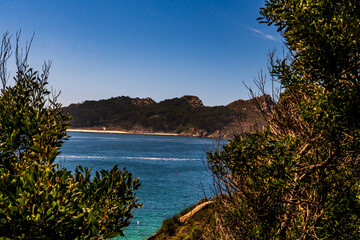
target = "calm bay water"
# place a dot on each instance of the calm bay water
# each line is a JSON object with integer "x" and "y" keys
{"x": 170, "y": 168}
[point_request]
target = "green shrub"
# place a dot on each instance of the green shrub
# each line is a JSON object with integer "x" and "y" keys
{"x": 170, "y": 225}
{"x": 299, "y": 179}
{"x": 39, "y": 199}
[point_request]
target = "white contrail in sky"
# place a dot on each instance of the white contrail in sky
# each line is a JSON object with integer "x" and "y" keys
{"x": 267, "y": 36}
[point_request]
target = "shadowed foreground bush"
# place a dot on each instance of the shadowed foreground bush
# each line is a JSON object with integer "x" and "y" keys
{"x": 38, "y": 198}
{"x": 300, "y": 178}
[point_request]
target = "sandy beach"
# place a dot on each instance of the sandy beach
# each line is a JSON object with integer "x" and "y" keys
{"x": 119, "y": 132}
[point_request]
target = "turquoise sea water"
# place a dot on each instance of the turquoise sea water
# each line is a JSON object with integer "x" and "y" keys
{"x": 170, "y": 168}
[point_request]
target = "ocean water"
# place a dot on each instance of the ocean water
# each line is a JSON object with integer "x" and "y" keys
{"x": 171, "y": 170}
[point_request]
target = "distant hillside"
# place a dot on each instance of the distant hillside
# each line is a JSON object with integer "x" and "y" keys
{"x": 250, "y": 109}
{"x": 186, "y": 115}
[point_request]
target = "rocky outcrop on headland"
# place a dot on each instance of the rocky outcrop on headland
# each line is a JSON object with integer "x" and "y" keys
{"x": 142, "y": 101}
{"x": 193, "y": 101}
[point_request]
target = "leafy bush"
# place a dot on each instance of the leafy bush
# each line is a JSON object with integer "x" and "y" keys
{"x": 39, "y": 199}
{"x": 299, "y": 179}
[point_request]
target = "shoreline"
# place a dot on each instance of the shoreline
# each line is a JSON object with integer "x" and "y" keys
{"x": 119, "y": 132}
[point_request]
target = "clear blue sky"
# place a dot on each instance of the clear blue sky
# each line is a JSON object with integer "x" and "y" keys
{"x": 145, "y": 48}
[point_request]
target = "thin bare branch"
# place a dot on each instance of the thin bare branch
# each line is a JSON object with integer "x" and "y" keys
{"x": 5, "y": 54}
{"x": 22, "y": 57}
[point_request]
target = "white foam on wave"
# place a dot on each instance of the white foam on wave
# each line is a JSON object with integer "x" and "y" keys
{"x": 82, "y": 157}
{"x": 142, "y": 158}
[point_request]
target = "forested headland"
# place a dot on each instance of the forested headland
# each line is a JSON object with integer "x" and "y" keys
{"x": 186, "y": 116}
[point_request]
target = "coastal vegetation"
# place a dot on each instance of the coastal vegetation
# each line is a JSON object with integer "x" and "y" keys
{"x": 197, "y": 227}
{"x": 186, "y": 115}
{"x": 40, "y": 199}
{"x": 299, "y": 178}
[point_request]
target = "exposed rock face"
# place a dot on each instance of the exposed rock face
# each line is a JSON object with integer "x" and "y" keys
{"x": 74, "y": 104}
{"x": 193, "y": 100}
{"x": 142, "y": 101}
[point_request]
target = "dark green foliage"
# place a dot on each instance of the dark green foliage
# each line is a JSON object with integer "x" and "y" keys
{"x": 170, "y": 225}
{"x": 299, "y": 179}
{"x": 39, "y": 199}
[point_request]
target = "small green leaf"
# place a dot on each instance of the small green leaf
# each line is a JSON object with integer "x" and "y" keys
{"x": 21, "y": 201}
{"x": 35, "y": 148}
{"x": 94, "y": 230}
